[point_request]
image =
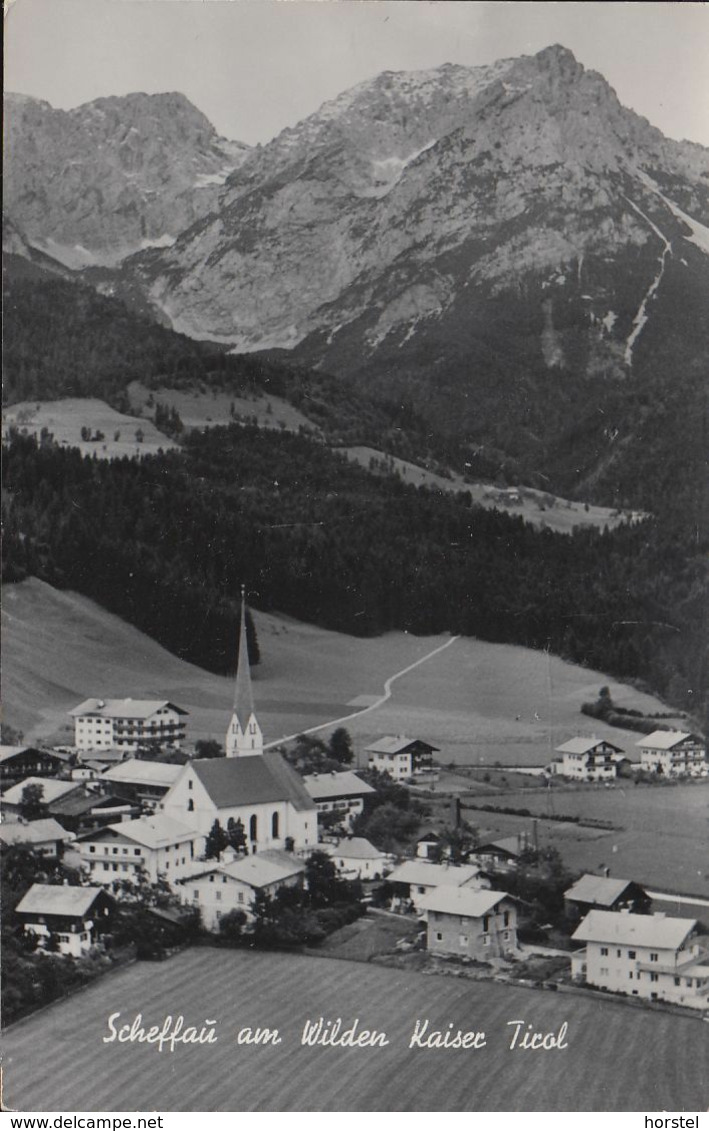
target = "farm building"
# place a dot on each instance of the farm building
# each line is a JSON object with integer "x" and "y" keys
{"x": 403, "y": 758}
{"x": 219, "y": 888}
{"x": 76, "y": 916}
{"x": 428, "y": 845}
{"x": 20, "y": 762}
{"x": 472, "y": 924}
{"x": 649, "y": 956}
{"x": 341, "y": 794}
{"x": 673, "y": 753}
{"x": 606, "y": 894}
{"x": 589, "y": 759}
{"x": 143, "y": 781}
{"x": 87, "y": 808}
{"x": 46, "y": 837}
{"x": 502, "y": 854}
{"x": 127, "y": 724}
{"x": 356, "y": 858}
{"x": 415, "y": 879}
{"x": 263, "y": 792}
{"x": 155, "y": 845}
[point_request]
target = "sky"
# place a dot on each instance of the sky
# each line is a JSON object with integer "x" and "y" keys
{"x": 256, "y": 66}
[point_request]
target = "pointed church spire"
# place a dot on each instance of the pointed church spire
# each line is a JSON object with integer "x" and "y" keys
{"x": 244, "y": 735}
{"x": 243, "y": 693}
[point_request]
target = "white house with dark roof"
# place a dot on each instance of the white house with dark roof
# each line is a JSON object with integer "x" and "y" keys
{"x": 472, "y": 924}
{"x": 76, "y": 916}
{"x": 648, "y": 956}
{"x": 244, "y": 736}
{"x": 46, "y": 836}
{"x": 673, "y": 753}
{"x": 52, "y": 790}
{"x": 341, "y": 793}
{"x": 356, "y": 858}
{"x": 403, "y": 758}
{"x": 127, "y": 724}
{"x": 217, "y": 888}
{"x": 155, "y": 844}
{"x": 264, "y": 793}
{"x": 589, "y": 759}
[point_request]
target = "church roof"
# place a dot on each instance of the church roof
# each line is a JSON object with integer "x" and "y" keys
{"x": 252, "y": 781}
{"x": 243, "y": 693}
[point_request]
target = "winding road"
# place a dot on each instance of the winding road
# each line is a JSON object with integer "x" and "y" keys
{"x": 372, "y": 706}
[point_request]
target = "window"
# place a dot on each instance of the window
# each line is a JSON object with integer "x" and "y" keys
{"x": 211, "y": 877}
{"x": 618, "y": 954}
{"x": 195, "y": 893}
{"x": 603, "y": 970}
{"x": 190, "y": 805}
{"x": 253, "y": 827}
{"x": 219, "y": 897}
{"x": 92, "y": 848}
{"x": 223, "y": 877}
{"x": 630, "y": 975}
{"x": 654, "y": 957}
{"x": 678, "y": 981}
{"x": 240, "y": 897}
{"x": 506, "y": 936}
{"x": 115, "y": 852}
{"x": 189, "y": 783}
{"x": 486, "y": 922}
{"x": 105, "y": 866}
{"x": 136, "y": 852}
{"x": 486, "y": 940}
{"x": 506, "y": 919}
{"x": 274, "y": 826}
{"x": 654, "y": 977}
{"x": 217, "y": 914}
{"x": 604, "y": 952}
{"x": 439, "y": 936}
{"x": 631, "y": 954}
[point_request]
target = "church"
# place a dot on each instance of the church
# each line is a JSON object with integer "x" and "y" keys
{"x": 252, "y": 786}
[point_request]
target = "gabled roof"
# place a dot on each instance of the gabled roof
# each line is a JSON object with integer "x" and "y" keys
{"x": 8, "y": 752}
{"x": 33, "y": 832}
{"x": 52, "y": 789}
{"x": 353, "y": 848}
{"x": 253, "y": 780}
{"x": 664, "y": 739}
{"x": 156, "y": 831}
{"x": 581, "y": 745}
{"x": 461, "y": 901}
{"x": 259, "y": 870}
{"x": 83, "y": 801}
{"x": 600, "y": 890}
{"x": 344, "y": 784}
{"x": 507, "y": 845}
{"x": 134, "y": 771}
{"x": 59, "y": 899}
{"x": 634, "y": 930}
{"x": 124, "y": 708}
{"x": 433, "y": 875}
{"x": 396, "y": 744}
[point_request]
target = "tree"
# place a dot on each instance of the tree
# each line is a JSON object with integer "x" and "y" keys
{"x": 208, "y": 748}
{"x": 457, "y": 844}
{"x": 236, "y": 835}
{"x": 340, "y": 746}
{"x": 217, "y": 840}
{"x": 32, "y": 806}
{"x": 231, "y": 926}
{"x": 321, "y": 879}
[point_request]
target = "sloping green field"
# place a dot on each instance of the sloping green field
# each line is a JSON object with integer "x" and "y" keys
{"x": 618, "y": 1058}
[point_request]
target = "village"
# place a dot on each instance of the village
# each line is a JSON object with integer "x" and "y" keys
{"x": 268, "y": 847}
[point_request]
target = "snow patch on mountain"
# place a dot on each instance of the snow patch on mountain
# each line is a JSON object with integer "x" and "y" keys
{"x": 642, "y": 315}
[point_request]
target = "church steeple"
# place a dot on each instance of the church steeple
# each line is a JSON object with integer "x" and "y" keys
{"x": 244, "y": 735}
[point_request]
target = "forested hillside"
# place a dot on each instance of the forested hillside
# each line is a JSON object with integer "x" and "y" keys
{"x": 165, "y": 542}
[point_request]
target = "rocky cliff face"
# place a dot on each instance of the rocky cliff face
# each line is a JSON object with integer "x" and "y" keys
{"x": 94, "y": 184}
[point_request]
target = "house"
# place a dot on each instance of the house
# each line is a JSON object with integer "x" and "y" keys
{"x": 589, "y": 759}
{"x": 471, "y": 924}
{"x": 46, "y": 837}
{"x": 87, "y": 808}
{"x": 415, "y": 879}
{"x": 605, "y": 893}
{"x": 648, "y": 956}
{"x": 154, "y": 845}
{"x": 673, "y": 753}
{"x": 263, "y": 793}
{"x": 217, "y": 888}
{"x": 502, "y": 855}
{"x": 429, "y": 845}
{"x": 127, "y": 724}
{"x": 76, "y": 916}
{"x": 145, "y": 782}
{"x": 20, "y": 762}
{"x": 404, "y": 759}
{"x": 340, "y": 793}
{"x": 356, "y": 858}
{"x": 244, "y": 737}
{"x": 52, "y": 790}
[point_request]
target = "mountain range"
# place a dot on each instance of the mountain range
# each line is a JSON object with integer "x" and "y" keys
{"x": 506, "y": 248}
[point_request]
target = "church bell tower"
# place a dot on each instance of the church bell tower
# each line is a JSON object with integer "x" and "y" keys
{"x": 244, "y": 737}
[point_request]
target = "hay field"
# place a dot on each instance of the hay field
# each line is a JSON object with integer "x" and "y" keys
{"x": 66, "y": 418}
{"x": 618, "y": 1058}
